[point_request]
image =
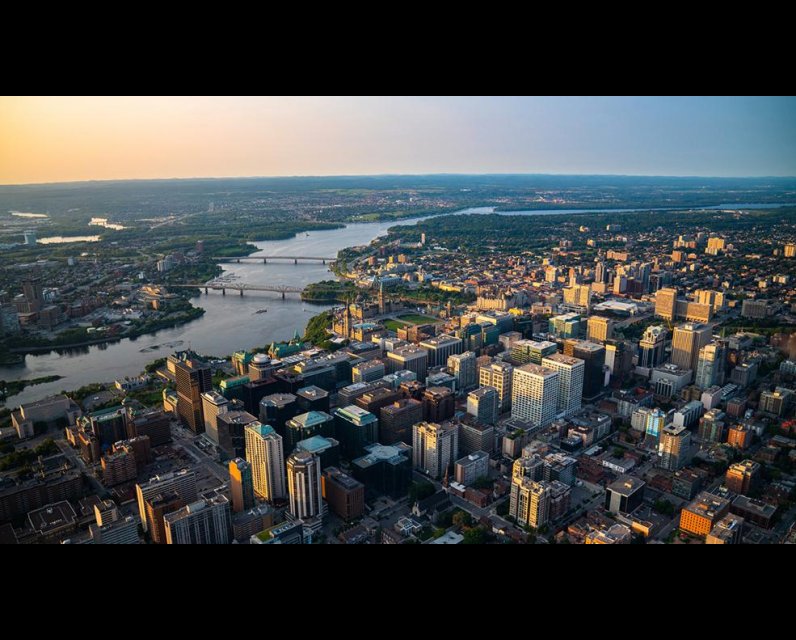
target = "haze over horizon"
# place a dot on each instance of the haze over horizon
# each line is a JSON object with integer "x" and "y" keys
{"x": 72, "y": 139}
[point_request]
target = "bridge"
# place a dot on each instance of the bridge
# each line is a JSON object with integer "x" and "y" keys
{"x": 265, "y": 259}
{"x": 240, "y": 287}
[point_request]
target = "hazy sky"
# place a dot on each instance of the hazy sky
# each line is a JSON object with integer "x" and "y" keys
{"x": 48, "y": 139}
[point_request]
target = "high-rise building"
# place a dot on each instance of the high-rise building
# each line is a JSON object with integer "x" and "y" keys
{"x": 232, "y": 433}
{"x": 34, "y": 296}
{"x": 688, "y": 339}
{"x": 715, "y": 246}
{"x": 213, "y": 405}
{"x": 182, "y": 482}
{"x": 118, "y": 467}
{"x": 529, "y": 502}
{"x": 666, "y": 303}
{"x": 743, "y": 477}
{"x": 471, "y": 467}
{"x": 306, "y": 425}
{"x": 344, "y": 495}
{"x": 304, "y": 486}
{"x": 703, "y": 513}
{"x": 600, "y": 272}
{"x": 499, "y": 376}
{"x": 385, "y": 469}
{"x": 593, "y": 356}
{"x": 206, "y": 521}
{"x": 714, "y": 299}
{"x": 435, "y": 447}
{"x": 535, "y": 394}
{"x": 156, "y": 508}
{"x": 728, "y": 530}
{"x": 531, "y": 351}
{"x": 265, "y": 453}
{"x": 673, "y": 448}
{"x": 368, "y": 371}
{"x": 355, "y": 429}
{"x": 193, "y": 379}
{"x": 438, "y": 404}
{"x": 570, "y": 381}
{"x": 241, "y": 485}
{"x": 476, "y": 436}
{"x": 790, "y": 250}
{"x": 462, "y": 367}
{"x": 483, "y": 403}
{"x": 578, "y": 295}
{"x": 567, "y": 325}
{"x": 624, "y": 495}
{"x": 652, "y": 347}
{"x": 259, "y": 368}
{"x": 411, "y": 358}
{"x": 600, "y": 329}
{"x": 710, "y": 365}
{"x": 396, "y": 420}
{"x": 277, "y": 409}
{"x": 441, "y": 348}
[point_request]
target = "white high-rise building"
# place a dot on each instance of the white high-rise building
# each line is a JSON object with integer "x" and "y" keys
{"x": 462, "y": 367}
{"x": 499, "y": 376}
{"x": 304, "y": 485}
{"x": 264, "y": 451}
{"x": 710, "y": 365}
{"x": 534, "y": 395}
{"x": 570, "y": 381}
{"x": 688, "y": 339}
{"x": 213, "y": 405}
{"x": 435, "y": 447}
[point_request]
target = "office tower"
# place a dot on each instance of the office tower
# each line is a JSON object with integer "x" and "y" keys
{"x": 499, "y": 375}
{"x": 600, "y": 329}
{"x": 483, "y": 403}
{"x": 355, "y": 429}
{"x": 118, "y": 467}
{"x": 567, "y": 325}
{"x": 728, "y": 530}
{"x": 441, "y": 348}
{"x": 435, "y": 447}
{"x": 241, "y": 485}
{"x": 118, "y": 531}
{"x": 313, "y": 398}
{"x": 327, "y": 450}
{"x": 108, "y": 425}
{"x": 476, "y": 436}
{"x": 593, "y": 356}
{"x": 534, "y": 395}
{"x": 385, "y": 469}
{"x": 618, "y": 357}
{"x": 368, "y": 371}
{"x": 410, "y": 358}
{"x": 472, "y": 467}
{"x": 156, "y": 508}
{"x": 710, "y": 365}
{"x": 31, "y": 288}
{"x": 529, "y": 502}
{"x": 344, "y": 495}
{"x": 193, "y": 379}
{"x": 688, "y": 339}
{"x": 790, "y": 250}
{"x": 306, "y": 425}
{"x": 776, "y": 402}
{"x": 714, "y": 299}
{"x": 570, "y": 381}
{"x": 265, "y": 453}
{"x": 182, "y": 482}
{"x": 153, "y": 423}
{"x": 652, "y": 347}
{"x": 703, "y": 513}
{"x": 259, "y": 368}
{"x": 462, "y": 367}
{"x": 396, "y": 420}
{"x": 531, "y": 351}
{"x": 231, "y": 433}
{"x": 666, "y": 303}
{"x": 578, "y": 295}
{"x": 743, "y": 477}
{"x": 715, "y": 246}
{"x": 654, "y": 423}
{"x": 624, "y": 495}
{"x": 206, "y": 521}
{"x": 213, "y": 405}
{"x": 673, "y": 449}
{"x": 277, "y": 409}
{"x": 438, "y": 404}
{"x": 304, "y": 485}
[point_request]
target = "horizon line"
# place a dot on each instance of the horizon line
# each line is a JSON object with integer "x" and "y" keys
{"x": 399, "y": 175}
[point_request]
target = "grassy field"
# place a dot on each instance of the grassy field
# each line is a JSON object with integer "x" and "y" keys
{"x": 393, "y": 325}
{"x": 416, "y": 318}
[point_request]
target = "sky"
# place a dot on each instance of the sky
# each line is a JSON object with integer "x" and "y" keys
{"x": 55, "y": 139}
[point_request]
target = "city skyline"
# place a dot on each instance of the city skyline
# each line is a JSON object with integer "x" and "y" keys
{"x": 73, "y": 139}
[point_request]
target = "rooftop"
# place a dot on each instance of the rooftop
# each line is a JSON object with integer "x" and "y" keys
{"x": 626, "y": 485}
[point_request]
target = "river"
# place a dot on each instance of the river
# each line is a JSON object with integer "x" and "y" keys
{"x": 230, "y": 322}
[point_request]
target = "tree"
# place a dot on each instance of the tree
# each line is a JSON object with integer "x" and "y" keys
{"x": 482, "y": 482}
{"x": 476, "y": 535}
{"x": 462, "y": 519}
{"x": 420, "y": 490}
{"x": 664, "y": 506}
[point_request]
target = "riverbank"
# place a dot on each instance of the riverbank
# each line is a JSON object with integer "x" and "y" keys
{"x": 14, "y": 387}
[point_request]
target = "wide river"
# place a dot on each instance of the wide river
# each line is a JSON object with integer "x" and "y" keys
{"x": 231, "y": 322}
